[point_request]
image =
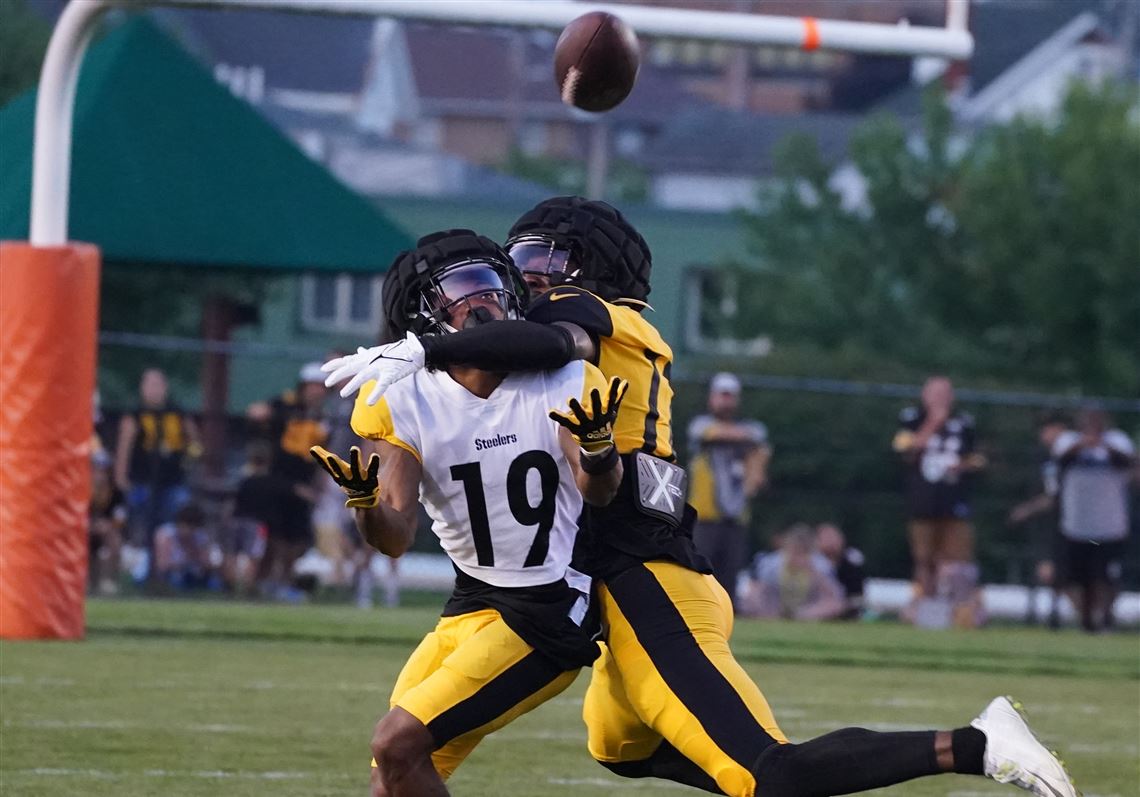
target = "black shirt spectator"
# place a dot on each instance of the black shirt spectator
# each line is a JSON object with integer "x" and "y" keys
{"x": 935, "y": 483}
{"x": 847, "y": 564}
{"x": 937, "y": 446}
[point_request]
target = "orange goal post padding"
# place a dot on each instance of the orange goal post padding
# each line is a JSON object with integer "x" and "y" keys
{"x": 49, "y": 306}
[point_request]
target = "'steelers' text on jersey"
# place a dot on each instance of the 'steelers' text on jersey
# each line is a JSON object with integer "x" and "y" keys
{"x": 629, "y": 347}
{"x": 496, "y": 484}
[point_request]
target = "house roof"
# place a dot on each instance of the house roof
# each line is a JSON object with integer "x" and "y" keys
{"x": 307, "y": 52}
{"x": 486, "y": 75}
{"x": 1005, "y": 31}
{"x": 742, "y": 143}
{"x": 169, "y": 167}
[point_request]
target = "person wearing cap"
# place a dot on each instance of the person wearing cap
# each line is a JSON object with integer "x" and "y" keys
{"x": 292, "y": 423}
{"x": 728, "y": 468}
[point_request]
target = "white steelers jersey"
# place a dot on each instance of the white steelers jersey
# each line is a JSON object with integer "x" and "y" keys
{"x": 499, "y": 491}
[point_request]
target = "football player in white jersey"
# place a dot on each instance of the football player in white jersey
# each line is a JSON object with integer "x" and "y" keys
{"x": 503, "y": 478}
{"x": 667, "y": 698}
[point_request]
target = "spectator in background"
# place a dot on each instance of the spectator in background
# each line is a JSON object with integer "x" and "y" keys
{"x": 937, "y": 445}
{"x": 254, "y": 516}
{"x": 795, "y": 583}
{"x": 351, "y": 556}
{"x": 185, "y": 556}
{"x": 108, "y": 520}
{"x": 292, "y": 423}
{"x": 154, "y": 442}
{"x": 846, "y": 565}
{"x": 1050, "y": 426}
{"x": 1095, "y": 464}
{"x": 728, "y": 467}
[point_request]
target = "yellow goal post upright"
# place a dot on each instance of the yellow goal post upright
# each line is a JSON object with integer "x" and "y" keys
{"x": 49, "y": 285}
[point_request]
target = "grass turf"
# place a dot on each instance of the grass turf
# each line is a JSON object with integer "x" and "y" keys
{"x": 180, "y": 698}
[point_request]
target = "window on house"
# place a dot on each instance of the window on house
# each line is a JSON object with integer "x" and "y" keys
{"x": 718, "y": 319}
{"x": 534, "y": 138}
{"x": 341, "y": 303}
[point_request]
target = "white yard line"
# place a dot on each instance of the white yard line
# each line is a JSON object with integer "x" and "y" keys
{"x": 602, "y": 783}
{"x": 114, "y": 725}
{"x": 203, "y": 774}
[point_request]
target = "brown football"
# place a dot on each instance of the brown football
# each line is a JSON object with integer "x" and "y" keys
{"x": 596, "y": 61}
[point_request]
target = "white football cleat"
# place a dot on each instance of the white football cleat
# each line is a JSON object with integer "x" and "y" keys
{"x": 1014, "y": 755}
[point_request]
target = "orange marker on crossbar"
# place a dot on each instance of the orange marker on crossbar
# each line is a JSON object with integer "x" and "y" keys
{"x": 811, "y": 33}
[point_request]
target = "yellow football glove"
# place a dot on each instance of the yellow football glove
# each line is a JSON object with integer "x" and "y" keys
{"x": 361, "y": 487}
{"x": 594, "y": 430}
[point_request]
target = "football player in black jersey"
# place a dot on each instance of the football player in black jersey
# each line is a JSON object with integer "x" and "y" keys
{"x": 667, "y": 698}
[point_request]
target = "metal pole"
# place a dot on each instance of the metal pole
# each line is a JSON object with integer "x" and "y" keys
{"x": 51, "y": 171}
{"x": 806, "y": 32}
{"x": 51, "y": 160}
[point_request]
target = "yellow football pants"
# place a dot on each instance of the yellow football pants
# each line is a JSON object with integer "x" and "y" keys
{"x": 469, "y": 677}
{"x": 666, "y": 672}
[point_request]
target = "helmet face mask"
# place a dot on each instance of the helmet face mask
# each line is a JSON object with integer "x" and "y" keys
{"x": 468, "y": 293}
{"x": 452, "y": 280}
{"x": 543, "y": 261}
{"x": 604, "y": 253}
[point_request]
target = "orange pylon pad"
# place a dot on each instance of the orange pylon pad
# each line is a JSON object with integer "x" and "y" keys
{"x": 49, "y": 306}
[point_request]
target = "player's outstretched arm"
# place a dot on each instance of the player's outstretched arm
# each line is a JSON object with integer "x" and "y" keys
{"x": 589, "y": 434}
{"x": 501, "y": 346}
{"x": 383, "y": 493}
{"x": 386, "y": 365}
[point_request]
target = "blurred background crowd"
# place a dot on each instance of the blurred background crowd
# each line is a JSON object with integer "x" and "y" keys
{"x": 270, "y": 526}
{"x": 829, "y": 230}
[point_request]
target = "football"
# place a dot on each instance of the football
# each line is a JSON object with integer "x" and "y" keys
{"x": 596, "y": 61}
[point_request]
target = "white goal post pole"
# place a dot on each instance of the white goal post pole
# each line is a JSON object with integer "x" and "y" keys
{"x": 720, "y": 26}
{"x": 51, "y": 170}
{"x": 55, "y": 103}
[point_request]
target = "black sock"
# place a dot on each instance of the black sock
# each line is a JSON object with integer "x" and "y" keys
{"x": 968, "y": 744}
{"x": 845, "y": 761}
{"x": 667, "y": 763}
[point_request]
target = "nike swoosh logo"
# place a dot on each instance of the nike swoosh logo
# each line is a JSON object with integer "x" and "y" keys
{"x": 554, "y": 297}
{"x": 386, "y": 357}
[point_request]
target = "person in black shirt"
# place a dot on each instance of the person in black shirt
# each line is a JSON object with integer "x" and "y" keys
{"x": 255, "y": 515}
{"x": 936, "y": 443}
{"x": 154, "y": 442}
{"x": 108, "y": 518}
{"x": 847, "y": 565}
{"x": 292, "y": 423}
{"x": 1044, "y": 506}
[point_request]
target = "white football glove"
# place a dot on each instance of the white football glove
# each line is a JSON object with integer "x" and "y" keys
{"x": 386, "y": 364}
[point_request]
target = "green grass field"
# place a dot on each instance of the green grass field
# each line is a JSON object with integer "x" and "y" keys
{"x": 177, "y": 698}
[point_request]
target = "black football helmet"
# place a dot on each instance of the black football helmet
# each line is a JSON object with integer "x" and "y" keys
{"x": 584, "y": 242}
{"x": 425, "y": 285}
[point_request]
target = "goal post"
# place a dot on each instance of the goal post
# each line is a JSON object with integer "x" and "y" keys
{"x": 50, "y": 287}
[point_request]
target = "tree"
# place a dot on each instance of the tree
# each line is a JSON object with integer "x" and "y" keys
{"x": 165, "y": 301}
{"x": 23, "y": 41}
{"x": 1016, "y": 252}
{"x": 1052, "y": 255}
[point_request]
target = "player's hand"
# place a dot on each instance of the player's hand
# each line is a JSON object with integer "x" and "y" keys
{"x": 387, "y": 364}
{"x": 360, "y": 485}
{"x": 594, "y": 429}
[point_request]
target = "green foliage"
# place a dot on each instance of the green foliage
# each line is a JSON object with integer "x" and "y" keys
{"x": 23, "y": 41}
{"x": 625, "y": 181}
{"x": 164, "y": 301}
{"x": 1051, "y": 260}
{"x": 1016, "y": 252}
